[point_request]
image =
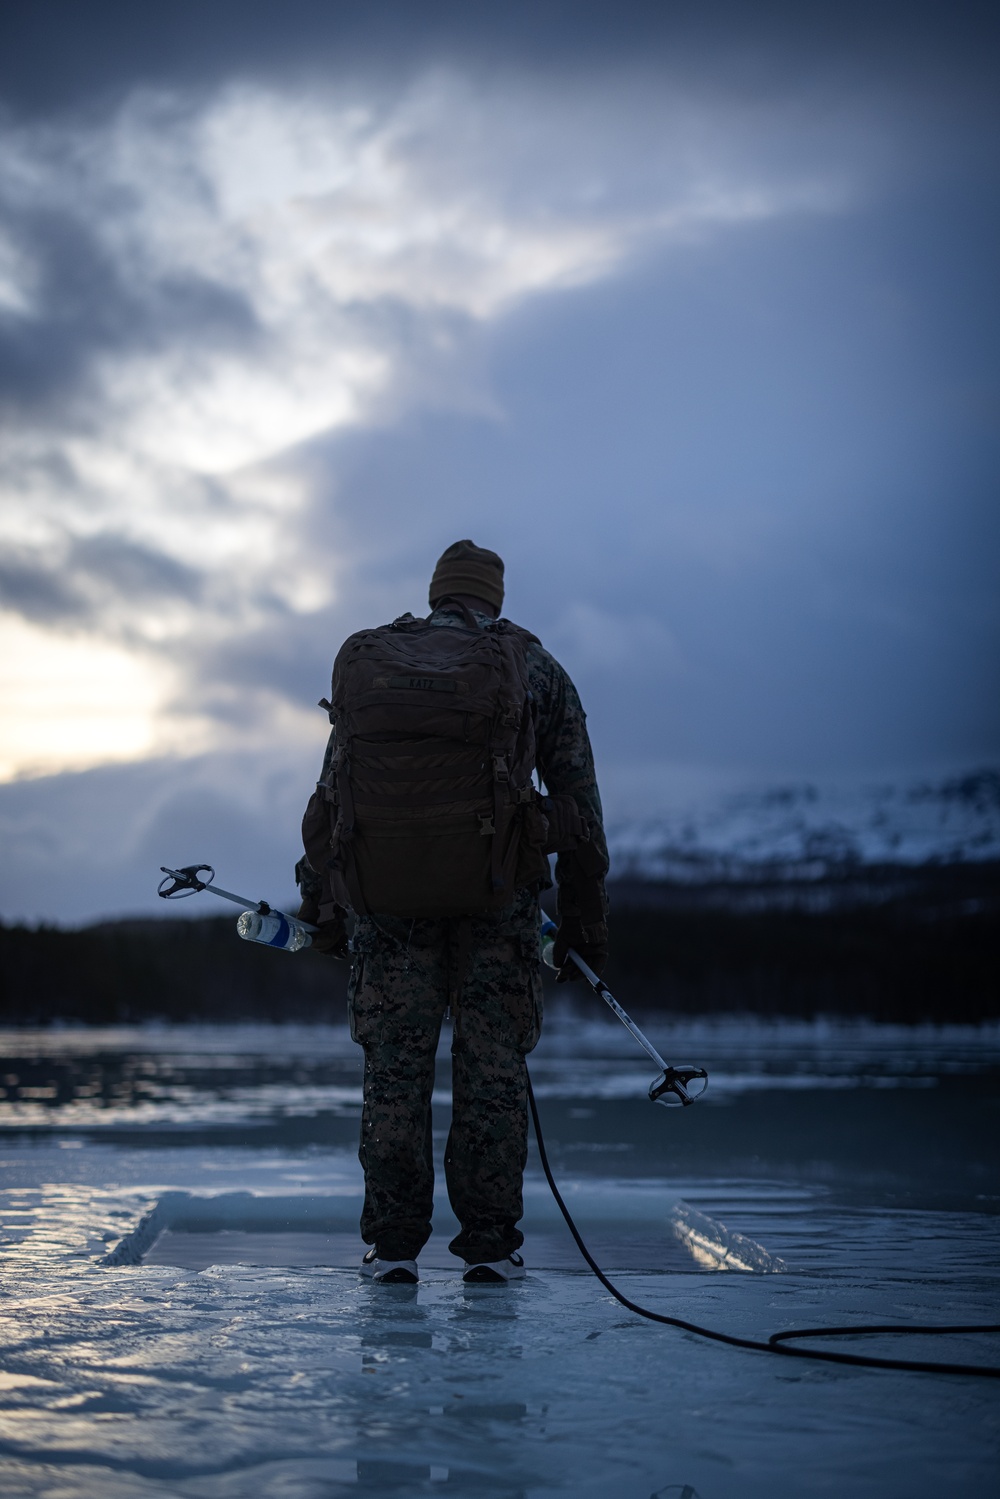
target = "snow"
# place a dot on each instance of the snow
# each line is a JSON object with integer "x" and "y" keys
{"x": 808, "y": 831}
{"x": 834, "y": 1173}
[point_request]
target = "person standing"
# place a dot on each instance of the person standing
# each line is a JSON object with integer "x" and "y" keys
{"x": 426, "y": 827}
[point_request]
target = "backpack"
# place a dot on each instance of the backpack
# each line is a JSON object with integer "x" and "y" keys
{"x": 428, "y": 808}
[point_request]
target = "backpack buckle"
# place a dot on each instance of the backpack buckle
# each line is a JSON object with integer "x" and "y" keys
{"x": 500, "y": 771}
{"x": 486, "y": 827}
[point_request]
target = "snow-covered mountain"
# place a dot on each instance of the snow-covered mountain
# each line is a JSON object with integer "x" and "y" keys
{"x": 807, "y": 832}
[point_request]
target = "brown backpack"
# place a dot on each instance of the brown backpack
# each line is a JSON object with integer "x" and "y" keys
{"x": 428, "y": 808}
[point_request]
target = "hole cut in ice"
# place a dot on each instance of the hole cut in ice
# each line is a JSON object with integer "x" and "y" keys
{"x": 193, "y": 1232}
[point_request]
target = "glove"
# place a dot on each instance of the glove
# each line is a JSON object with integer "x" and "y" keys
{"x": 330, "y": 937}
{"x": 582, "y": 925}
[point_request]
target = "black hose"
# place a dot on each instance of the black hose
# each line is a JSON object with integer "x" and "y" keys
{"x": 778, "y": 1342}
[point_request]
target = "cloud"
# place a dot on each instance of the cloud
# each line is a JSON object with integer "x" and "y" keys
{"x": 94, "y": 841}
{"x": 70, "y": 702}
{"x": 196, "y": 286}
{"x": 598, "y": 642}
{"x": 101, "y": 582}
{"x": 678, "y": 307}
{"x": 65, "y": 54}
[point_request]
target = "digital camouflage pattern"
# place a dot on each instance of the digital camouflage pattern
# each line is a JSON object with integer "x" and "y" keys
{"x": 405, "y": 977}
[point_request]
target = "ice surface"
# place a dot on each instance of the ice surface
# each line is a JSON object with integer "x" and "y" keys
{"x": 243, "y": 1357}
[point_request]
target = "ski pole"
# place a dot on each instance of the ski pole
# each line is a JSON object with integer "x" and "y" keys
{"x": 261, "y": 923}
{"x": 674, "y": 1084}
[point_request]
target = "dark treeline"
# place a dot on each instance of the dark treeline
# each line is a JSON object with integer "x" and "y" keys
{"x": 891, "y": 944}
{"x": 170, "y": 969}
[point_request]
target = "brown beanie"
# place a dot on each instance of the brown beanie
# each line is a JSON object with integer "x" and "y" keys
{"x": 466, "y": 568}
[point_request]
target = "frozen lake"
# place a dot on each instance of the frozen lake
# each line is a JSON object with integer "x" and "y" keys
{"x": 832, "y": 1174}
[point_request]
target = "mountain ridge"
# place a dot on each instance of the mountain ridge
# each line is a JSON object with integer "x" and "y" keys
{"x": 804, "y": 832}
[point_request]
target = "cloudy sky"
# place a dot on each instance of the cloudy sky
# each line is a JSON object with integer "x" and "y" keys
{"x": 688, "y": 310}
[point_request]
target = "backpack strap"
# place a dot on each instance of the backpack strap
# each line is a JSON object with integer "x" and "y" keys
{"x": 466, "y": 613}
{"x": 508, "y": 627}
{"x": 341, "y": 767}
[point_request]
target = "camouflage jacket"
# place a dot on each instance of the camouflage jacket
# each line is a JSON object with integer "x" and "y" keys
{"x": 564, "y": 758}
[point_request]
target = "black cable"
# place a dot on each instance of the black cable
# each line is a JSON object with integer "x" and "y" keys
{"x": 778, "y": 1342}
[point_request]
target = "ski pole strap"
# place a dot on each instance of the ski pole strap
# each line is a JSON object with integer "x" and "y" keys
{"x": 178, "y": 883}
{"x": 187, "y": 882}
{"x": 181, "y": 882}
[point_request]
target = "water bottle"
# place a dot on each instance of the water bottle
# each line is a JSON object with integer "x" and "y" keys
{"x": 274, "y": 930}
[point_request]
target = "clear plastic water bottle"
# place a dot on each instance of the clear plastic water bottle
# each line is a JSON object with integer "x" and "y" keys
{"x": 273, "y": 930}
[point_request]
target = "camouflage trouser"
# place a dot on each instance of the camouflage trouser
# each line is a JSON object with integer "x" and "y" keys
{"x": 405, "y": 976}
